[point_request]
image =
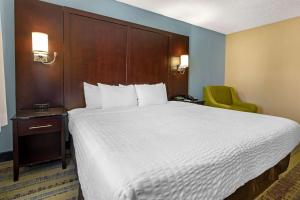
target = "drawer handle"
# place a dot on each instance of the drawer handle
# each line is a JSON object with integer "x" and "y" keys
{"x": 39, "y": 127}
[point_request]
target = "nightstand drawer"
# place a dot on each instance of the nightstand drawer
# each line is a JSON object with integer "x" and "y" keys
{"x": 39, "y": 125}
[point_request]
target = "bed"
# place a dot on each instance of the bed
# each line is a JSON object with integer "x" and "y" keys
{"x": 175, "y": 151}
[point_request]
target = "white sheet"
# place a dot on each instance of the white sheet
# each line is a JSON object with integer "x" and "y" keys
{"x": 176, "y": 151}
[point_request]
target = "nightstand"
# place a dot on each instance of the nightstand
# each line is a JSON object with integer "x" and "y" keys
{"x": 38, "y": 137}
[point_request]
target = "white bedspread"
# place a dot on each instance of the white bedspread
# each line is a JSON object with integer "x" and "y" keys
{"x": 177, "y": 151}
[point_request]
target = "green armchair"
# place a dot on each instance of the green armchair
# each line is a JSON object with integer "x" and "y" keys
{"x": 226, "y": 97}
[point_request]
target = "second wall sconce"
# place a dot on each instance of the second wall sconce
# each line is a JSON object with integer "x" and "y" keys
{"x": 180, "y": 63}
{"x": 40, "y": 48}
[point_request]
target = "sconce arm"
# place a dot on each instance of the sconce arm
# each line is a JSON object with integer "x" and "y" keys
{"x": 51, "y": 62}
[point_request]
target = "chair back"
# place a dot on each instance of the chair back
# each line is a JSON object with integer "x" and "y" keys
{"x": 221, "y": 94}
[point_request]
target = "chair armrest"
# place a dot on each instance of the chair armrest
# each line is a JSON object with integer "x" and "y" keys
{"x": 236, "y": 101}
{"x": 246, "y": 105}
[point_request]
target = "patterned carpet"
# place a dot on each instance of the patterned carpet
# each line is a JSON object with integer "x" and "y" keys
{"x": 286, "y": 188}
{"x": 46, "y": 181}
{"x": 50, "y": 182}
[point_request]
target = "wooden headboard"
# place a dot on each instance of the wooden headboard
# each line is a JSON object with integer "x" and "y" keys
{"x": 91, "y": 48}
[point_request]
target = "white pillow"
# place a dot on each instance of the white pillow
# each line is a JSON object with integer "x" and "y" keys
{"x": 118, "y": 96}
{"x": 92, "y": 95}
{"x": 151, "y": 94}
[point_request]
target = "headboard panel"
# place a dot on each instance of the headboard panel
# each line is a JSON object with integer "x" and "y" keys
{"x": 147, "y": 56}
{"x": 94, "y": 49}
{"x": 101, "y": 49}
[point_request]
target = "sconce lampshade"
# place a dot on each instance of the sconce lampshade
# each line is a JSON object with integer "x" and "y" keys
{"x": 184, "y": 61}
{"x": 175, "y": 62}
{"x": 39, "y": 42}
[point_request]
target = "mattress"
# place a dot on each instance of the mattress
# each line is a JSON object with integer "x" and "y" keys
{"x": 175, "y": 151}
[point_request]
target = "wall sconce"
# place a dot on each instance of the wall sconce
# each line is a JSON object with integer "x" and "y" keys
{"x": 180, "y": 63}
{"x": 40, "y": 48}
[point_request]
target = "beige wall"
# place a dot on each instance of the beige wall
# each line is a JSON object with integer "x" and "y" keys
{"x": 263, "y": 64}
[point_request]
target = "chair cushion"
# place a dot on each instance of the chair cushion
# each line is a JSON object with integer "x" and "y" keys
{"x": 222, "y": 94}
{"x": 239, "y": 108}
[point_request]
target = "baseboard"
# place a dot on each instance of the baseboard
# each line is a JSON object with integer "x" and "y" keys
{"x": 6, "y": 156}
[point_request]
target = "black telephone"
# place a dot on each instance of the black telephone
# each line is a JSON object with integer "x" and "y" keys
{"x": 188, "y": 98}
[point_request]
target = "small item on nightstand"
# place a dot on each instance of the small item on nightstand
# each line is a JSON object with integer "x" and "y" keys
{"x": 188, "y": 99}
{"x": 41, "y": 107}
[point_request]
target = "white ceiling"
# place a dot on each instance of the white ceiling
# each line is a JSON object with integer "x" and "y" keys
{"x": 224, "y": 16}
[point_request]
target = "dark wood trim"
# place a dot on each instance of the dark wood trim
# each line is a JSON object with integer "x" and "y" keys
{"x": 66, "y": 55}
{"x": 63, "y": 141}
{"x": 6, "y": 156}
{"x": 16, "y": 150}
{"x": 117, "y": 21}
{"x": 127, "y": 50}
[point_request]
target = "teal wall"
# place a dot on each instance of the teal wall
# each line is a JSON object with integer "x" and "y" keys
{"x": 207, "y": 48}
{"x": 7, "y": 21}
